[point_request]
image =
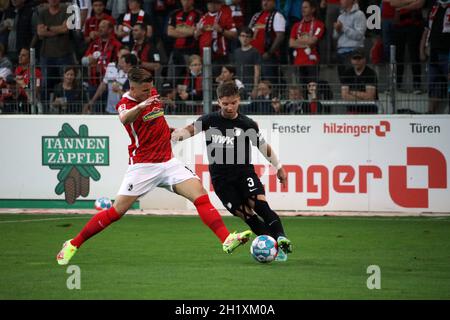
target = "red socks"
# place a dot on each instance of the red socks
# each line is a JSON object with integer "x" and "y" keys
{"x": 211, "y": 217}
{"x": 97, "y": 223}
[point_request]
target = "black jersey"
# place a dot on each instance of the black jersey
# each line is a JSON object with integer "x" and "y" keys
{"x": 228, "y": 142}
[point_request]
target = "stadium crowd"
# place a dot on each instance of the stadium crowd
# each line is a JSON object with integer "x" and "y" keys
{"x": 278, "y": 52}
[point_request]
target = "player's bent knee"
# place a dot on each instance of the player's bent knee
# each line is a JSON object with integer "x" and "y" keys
{"x": 123, "y": 204}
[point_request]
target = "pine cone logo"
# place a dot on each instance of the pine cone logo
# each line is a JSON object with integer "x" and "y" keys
{"x": 75, "y": 155}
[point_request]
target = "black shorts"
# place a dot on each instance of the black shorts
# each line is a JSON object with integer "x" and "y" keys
{"x": 234, "y": 189}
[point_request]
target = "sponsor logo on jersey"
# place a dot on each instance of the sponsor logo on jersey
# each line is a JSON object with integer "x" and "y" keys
{"x": 219, "y": 139}
{"x": 155, "y": 113}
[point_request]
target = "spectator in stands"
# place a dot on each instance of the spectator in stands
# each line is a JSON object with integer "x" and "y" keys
{"x": 388, "y": 15}
{"x": 115, "y": 81}
{"x": 100, "y": 53}
{"x": 126, "y": 22}
{"x": 181, "y": 28}
{"x": 349, "y": 30}
{"x": 191, "y": 88}
{"x": 304, "y": 39}
{"x": 4, "y": 61}
{"x": 214, "y": 30}
{"x": 23, "y": 71}
{"x": 269, "y": 28}
{"x": 408, "y": 32}
{"x": 438, "y": 47}
{"x": 13, "y": 98}
{"x": 168, "y": 96}
{"x": 294, "y": 103}
{"x": 359, "y": 83}
{"x": 85, "y": 9}
{"x": 297, "y": 104}
{"x": 56, "y": 46}
{"x": 91, "y": 26}
{"x": 332, "y": 10}
{"x": 68, "y": 95}
{"x": 4, "y": 73}
{"x": 5, "y": 23}
{"x": 247, "y": 59}
{"x": 237, "y": 12}
{"x": 291, "y": 10}
{"x": 263, "y": 100}
{"x": 160, "y": 11}
{"x": 148, "y": 56}
{"x": 117, "y": 8}
{"x": 228, "y": 74}
{"x": 20, "y": 27}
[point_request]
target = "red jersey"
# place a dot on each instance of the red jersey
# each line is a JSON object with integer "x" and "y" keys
{"x": 212, "y": 39}
{"x": 181, "y": 18}
{"x": 24, "y": 73}
{"x": 313, "y": 28}
{"x": 149, "y": 133}
{"x": 265, "y": 24}
{"x": 387, "y": 11}
{"x": 92, "y": 23}
{"x": 107, "y": 52}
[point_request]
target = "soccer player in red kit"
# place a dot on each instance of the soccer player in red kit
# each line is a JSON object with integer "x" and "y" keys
{"x": 151, "y": 164}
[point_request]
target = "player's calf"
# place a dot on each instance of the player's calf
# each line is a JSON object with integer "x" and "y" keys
{"x": 271, "y": 219}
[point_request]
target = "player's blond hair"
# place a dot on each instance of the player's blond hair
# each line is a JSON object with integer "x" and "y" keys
{"x": 139, "y": 75}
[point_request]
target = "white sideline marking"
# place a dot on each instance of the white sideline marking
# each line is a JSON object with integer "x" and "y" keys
{"x": 281, "y": 213}
{"x": 46, "y": 219}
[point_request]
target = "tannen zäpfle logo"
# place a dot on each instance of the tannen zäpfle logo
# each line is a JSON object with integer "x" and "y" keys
{"x": 75, "y": 155}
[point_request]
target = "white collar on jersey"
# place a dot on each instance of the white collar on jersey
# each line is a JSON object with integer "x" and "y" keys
{"x": 127, "y": 95}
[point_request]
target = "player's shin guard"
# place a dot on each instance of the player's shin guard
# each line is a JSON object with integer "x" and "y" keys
{"x": 97, "y": 223}
{"x": 211, "y": 217}
{"x": 271, "y": 219}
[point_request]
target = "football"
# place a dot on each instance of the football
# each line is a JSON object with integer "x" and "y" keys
{"x": 103, "y": 203}
{"x": 264, "y": 249}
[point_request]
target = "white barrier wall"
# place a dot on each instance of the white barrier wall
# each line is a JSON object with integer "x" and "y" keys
{"x": 335, "y": 163}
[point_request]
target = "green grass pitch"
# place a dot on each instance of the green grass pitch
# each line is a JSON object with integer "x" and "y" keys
{"x": 154, "y": 257}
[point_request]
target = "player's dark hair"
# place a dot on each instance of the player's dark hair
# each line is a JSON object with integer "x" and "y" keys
{"x": 139, "y": 75}
{"x": 227, "y": 89}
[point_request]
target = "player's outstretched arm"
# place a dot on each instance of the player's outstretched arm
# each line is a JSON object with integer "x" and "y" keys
{"x": 181, "y": 134}
{"x": 270, "y": 156}
{"x": 127, "y": 116}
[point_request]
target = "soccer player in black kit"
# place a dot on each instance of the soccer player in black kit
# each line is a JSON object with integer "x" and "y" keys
{"x": 229, "y": 136}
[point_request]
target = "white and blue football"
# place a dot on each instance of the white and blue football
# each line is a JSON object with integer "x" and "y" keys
{"x": 264, "y": 249}
{"x": 103, "y": 203}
